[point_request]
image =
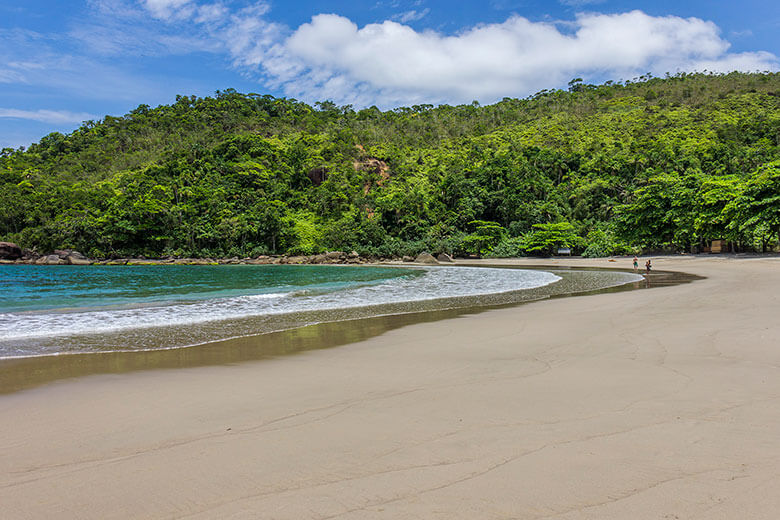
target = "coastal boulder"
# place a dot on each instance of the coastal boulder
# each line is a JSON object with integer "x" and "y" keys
{"x": 10, "y": 251}
{"x": 145, "y": 261}
{"x": 29, "y": 255}
{"x": 425, "y": 258}
{"x": 296, "y": 260}
{"x": 73, "y": 259}
{"x": 116, "y": 261}
{"x": 444, "y": 257}
{"x": 195, "y": 261}
{"x": 50, "y": 260}
{"x": 260, "y": 260}
{"x": 204, "y": 261}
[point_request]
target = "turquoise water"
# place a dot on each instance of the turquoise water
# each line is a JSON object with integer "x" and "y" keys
{"x": 35, "y": 288}
{"x": 46, "y": 310}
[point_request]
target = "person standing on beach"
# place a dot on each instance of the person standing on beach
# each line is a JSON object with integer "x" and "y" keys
{"x": 648, "y": 265}
{"x": 636, "y": 264}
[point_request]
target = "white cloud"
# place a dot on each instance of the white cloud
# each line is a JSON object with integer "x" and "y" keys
{"x": 411, "y": 16}
{"x": 11, "y": 76}
{"x": 170, "y": 9}
{"x": 747, "y": 61}
{"x": 580, "y": 3}
{"x": 390, "y": 63}
{"x": 211, "y": 13}
{"x": 48, "y": 116}
{"x": 33, "y": 61}
{"x": 125, "y": 28}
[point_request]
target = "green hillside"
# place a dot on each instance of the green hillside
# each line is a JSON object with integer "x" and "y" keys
{"x": 654, "y": 164}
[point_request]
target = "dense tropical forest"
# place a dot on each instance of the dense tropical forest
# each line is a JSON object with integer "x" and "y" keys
{"x": 653, "y": 164}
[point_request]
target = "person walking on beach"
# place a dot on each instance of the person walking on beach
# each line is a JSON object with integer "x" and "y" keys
{"x": 636, "y": 264}
{"x": 648, "y": 265}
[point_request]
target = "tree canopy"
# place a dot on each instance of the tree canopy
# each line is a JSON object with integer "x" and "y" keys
{"x": 654, "y": 164}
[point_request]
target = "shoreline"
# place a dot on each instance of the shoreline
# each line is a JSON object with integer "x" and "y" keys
{"x": 24, "y": 372}
{"x": 71, "y": 257}
{"x": 636, "y": 404}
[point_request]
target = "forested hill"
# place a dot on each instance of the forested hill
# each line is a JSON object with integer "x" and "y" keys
{"x": 651, "y": 164}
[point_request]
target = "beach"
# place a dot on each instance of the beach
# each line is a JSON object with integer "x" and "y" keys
{"x": 648, "y": 404}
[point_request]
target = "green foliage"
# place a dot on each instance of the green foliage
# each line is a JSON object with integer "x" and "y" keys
{"x": 650, "y": 163}
{"x": 545, "y": 239}
{"x": 510, "y": 247}
{"x": 601, "y": 243}
{"x": 306, "y": 233}
{"x": 485, "y": 237}
{"x": 755, "y": 212}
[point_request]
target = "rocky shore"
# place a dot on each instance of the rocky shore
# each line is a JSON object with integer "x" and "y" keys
{"x": 11, "y": 253}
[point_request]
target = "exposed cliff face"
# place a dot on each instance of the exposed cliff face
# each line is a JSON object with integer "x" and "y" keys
{"x": 318, "y": 175}
{"x": 372, "y": 165}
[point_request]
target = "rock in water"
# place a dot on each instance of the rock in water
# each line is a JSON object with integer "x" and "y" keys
{"x": 425, "y": 258}
{"x": 10, "y": 251}
{"x": 444, "y": 257}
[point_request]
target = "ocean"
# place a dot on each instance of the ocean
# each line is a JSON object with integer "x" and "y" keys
{"x": 54, "y": 310}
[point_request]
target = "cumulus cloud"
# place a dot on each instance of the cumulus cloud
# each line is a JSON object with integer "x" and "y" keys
{"x": 388, "y": 63}
{"x": 48, "y": 116}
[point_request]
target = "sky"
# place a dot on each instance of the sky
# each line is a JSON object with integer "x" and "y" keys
{"x": 63, "y": 62}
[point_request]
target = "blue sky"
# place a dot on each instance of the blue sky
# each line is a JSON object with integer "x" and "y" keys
{"x": 63, "y": 62}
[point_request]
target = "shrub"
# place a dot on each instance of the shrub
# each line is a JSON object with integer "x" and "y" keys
{"x": 602, "y": 243}
{"x": 485, "y": 237}
{"x": 545, "y": 238}
{"x": 508, "y": 248}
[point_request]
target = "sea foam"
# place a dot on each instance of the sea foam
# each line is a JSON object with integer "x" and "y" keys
{"x": 435, "y": 283}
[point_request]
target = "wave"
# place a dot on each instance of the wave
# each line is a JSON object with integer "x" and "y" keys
{"x": 436, "y": 283}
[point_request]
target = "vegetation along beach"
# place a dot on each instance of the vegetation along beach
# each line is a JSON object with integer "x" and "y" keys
{"x": 389, "y": 260}
{"x": 605, "y": 169}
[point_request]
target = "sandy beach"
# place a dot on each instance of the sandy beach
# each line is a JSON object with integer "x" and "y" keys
{"x": 649, "y": 404}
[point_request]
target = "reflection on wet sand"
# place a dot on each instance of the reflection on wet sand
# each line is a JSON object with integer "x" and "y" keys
{"x": 24, "y": 373}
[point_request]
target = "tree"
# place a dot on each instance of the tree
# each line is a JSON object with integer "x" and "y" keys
{"x": 756, "y": 210}
{"x": 485, "y": 237}
{"x": 545, "y": 239}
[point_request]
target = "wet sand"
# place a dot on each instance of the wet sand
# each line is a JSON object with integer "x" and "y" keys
{"x": 641, "y": 404}
{"x": 325, "y": 329}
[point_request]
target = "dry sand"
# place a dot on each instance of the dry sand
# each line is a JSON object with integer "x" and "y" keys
{"x": 657, "y": 404}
